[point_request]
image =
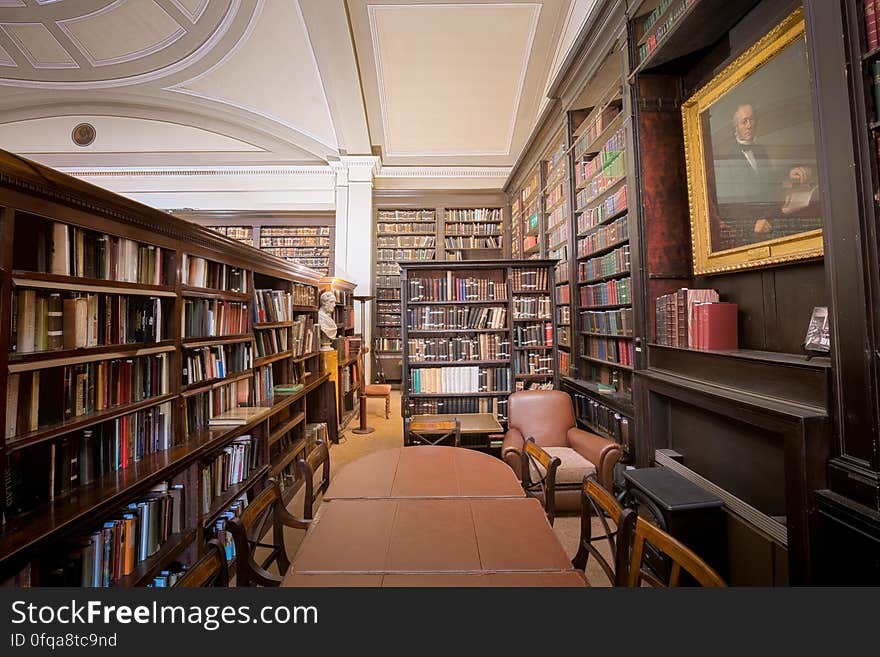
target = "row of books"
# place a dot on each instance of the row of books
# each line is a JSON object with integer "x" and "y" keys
{"x": 529, "y": 280}
{"x": 264, "y": 385}
{"x": 297, "y": 241}
{"x": 589, "y": 217}
{"x": 616, "y": 231}
{"x": 563, "y": 336}
{"x": 46, "y": 397}
{"x": 229, "y": 467}
{"x": 392, "y": 307}
{"x": 473, "y": 242}
{"x": 200, "y": 408}
{"x": 531, "y": 308}
{"x": 51, "y": 321}
{"x": 200, "y": 272}
{"x": 405, "y": 255}
{"x": 661, "y": 30}
{"x": 564, "y": 363}
{"x": 293, "y": 253}
{"x": 216, "y": 362}
{"x": 613, "y": 350}
{"x": 607, "y": 293}
{"x": 409, "y": 241}
{"x": 602, "y": 418}
{"x": 529, "y": 242}
{"x": 305, "y": 335}
{"x": 563, "y": 293}
{"x": 616, "y": 262}
{"x": 561, "y": 271}
{"x": 476, "y": 214}
{"x": 533, "y": 362}
{"x": 271, "y": 341}
{"x": 50, "y": 470}
{"x": 473, "y": 229}
{"x": 301, "y": 231}
{"x": 595, "y": 127}
{"x": 84, "y": 253}
{"x": 608, "y": 322}
{"x": 559, "y": 231}
{"x": 563, "y": 315}
{"x": 214, "y": 318}
{"x": 674, "y": 315}
{"x": 304, "y": 295}
{"x": 388, "y": 294}
{"x": 406, "y": 215}
{"x": 602, "y": 182}
{"x": 457, "y": 288}
{"x": 533, "y": 385}
{"x": 389, "y": 344}
{"x": 238, "y": 233}
{"x": 533, "y": 335}
{"x": 388, "y": 281}
{"x": 112, "y": 552}
{"x": 457, "y": 380}
{"x": 221, "y": 533}
{"x": 611, "y": 149}
{"x": 405, "y": 227}
{"x": 272, "y": 306}
{"x": 486, "y": 346}
{"x": 495, "y": 405}
{"x": 168, "y": 577}
{"x": 456, "y": 317}
{"x": 387, "y": 318}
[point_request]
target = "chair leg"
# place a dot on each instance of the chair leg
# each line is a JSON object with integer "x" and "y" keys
{"x": 387, "y": 406}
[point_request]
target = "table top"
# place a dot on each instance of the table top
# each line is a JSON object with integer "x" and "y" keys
{"x": 471, "y": 423}
{"x": 425, "y": 472}
{"x": 431, "y": 542}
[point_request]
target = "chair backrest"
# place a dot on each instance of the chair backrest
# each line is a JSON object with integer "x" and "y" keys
{"x": 597, "y": 502}
{"x": 319, "y": 456}
{"x": 680, "y": 556}
{"x": 211, "y": 570}
{"x": 546, "y": 415}
{"x": 432, "y": 432}
{"x": 539, "y": 475}
{"x": 248, "y": 571}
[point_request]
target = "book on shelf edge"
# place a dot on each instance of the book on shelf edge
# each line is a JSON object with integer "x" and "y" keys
{"x": 238, "y": 416}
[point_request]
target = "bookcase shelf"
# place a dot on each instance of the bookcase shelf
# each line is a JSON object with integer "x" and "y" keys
{"x": 153, "y": 449}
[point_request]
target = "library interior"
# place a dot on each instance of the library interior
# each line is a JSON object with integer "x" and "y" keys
{"x": 470, "y": 285}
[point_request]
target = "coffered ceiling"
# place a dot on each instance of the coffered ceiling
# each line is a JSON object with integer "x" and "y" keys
{"x": 214, "y": 82}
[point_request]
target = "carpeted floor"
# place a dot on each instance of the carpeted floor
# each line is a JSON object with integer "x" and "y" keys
{"x": 389, "y": 433}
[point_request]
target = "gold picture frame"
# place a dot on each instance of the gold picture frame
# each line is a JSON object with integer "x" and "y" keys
{"x": 743, "y": 220}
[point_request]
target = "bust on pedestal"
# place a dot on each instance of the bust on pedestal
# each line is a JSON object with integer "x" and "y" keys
{"x": 326, "y": 321}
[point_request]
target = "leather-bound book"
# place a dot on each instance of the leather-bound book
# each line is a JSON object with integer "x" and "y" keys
{"x": 718, "y": 326}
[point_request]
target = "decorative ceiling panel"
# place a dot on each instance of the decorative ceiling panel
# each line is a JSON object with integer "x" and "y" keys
{"x": 39, "y": 45}
{"x": 450, "y": 76}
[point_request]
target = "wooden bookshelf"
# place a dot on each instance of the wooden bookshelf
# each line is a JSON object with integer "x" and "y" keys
{"x": 395, "y": 229}
{"x": 484, "y": 364}
{"x": 120, "y": 249}
{"x": 473, "y": 233}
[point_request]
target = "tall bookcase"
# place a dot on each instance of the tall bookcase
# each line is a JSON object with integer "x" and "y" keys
{"x": 526, "y": 221}
{"x": 304, "y": 238}
{"x": 135, "y": 340}
{"x": 474, "y": 332}
{"x": 402, "y": 235}
{"x": 348, "y": 349}
{"x": 473, "y": 233}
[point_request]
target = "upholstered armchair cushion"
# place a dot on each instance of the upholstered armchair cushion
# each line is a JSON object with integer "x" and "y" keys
{"x": 546, "y": 415}
{"x": 572, "y": 470}
{"x": 599, "y": 451}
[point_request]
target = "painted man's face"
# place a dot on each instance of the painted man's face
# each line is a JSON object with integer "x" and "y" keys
{"x": 745, "y": 123}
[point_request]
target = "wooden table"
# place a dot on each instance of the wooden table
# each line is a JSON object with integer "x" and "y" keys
{"x": 431, "y": 542}
{"x": 425, "y": 471}
{"x": 473, "y": 425}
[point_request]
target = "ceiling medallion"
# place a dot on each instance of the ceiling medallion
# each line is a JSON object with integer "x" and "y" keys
{"x": 83, "y": 134}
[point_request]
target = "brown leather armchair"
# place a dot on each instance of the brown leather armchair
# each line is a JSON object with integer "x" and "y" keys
{"x": 548, "y": 416}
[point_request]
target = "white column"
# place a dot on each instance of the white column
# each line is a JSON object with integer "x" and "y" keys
{"x": 354, "y": 234}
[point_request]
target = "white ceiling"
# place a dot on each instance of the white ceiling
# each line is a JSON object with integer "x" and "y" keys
{"x": 278, "y": 82}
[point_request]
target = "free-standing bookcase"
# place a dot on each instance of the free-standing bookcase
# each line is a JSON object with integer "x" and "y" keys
{"x": 473, "y": 332}
{"x": 155, "y": 375}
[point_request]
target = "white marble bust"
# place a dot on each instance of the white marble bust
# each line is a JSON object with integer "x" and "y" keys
{"x": 325, "y": 320}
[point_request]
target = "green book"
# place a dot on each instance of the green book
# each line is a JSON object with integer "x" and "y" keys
{"x": 294, "y": 388}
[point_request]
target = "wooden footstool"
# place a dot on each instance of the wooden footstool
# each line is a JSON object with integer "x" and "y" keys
{"x": 379, "y": 390}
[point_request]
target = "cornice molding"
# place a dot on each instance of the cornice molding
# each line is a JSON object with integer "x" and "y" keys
{"x": 443, "y": 172}
{"x": 163, "y": 172}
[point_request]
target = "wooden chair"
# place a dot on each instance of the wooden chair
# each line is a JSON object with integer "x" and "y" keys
{"x": 378, "y": 390}
{"x": 680, "y": 556}
{"x": 211, "y": 570}
{"x": 248, "y": 571}
{"x": 320, "y": 456}
{"x": 539, "y": 476}
{"x": 431, "y": 432}
{"x": 597, "y": 501}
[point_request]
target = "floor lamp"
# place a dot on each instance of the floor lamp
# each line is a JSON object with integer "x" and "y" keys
{"x": 365, "y": 349}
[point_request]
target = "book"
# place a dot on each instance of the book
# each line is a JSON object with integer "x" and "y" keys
{"x": 716, "y": 324}
{"x": 238, "y": 416}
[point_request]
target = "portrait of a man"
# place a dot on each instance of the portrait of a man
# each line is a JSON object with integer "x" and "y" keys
{"x": 753, "y": 168}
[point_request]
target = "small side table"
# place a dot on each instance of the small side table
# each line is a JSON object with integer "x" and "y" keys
{"x": 682, "y": 509}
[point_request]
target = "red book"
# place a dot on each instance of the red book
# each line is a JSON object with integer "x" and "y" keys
{"x": 871, "y": 24}
{"x": 720, "y": 326}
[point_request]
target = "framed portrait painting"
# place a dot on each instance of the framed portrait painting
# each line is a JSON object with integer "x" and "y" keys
{"x": 750, "y": 149}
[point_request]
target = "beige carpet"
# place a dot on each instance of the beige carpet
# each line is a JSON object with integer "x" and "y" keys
{"x": 389, "y": 433}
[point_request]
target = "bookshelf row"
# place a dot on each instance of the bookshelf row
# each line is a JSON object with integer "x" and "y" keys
{"x": 308, "y": 245}
{"x": 474, "y": 332}
{"x": 154, "y": 379}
